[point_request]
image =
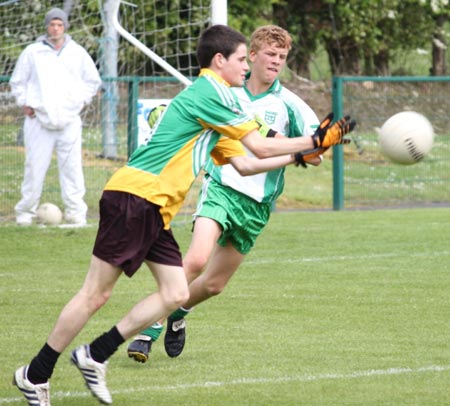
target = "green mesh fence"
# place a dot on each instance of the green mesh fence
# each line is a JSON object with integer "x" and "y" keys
{"x": 363, "y": 177}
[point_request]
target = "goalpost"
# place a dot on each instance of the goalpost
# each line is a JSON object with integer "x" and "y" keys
{"x": 219, "y": 15}
{"x": 114, "y": 14}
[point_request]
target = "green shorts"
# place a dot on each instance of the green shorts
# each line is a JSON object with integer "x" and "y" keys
{"x": 242, "y": 219}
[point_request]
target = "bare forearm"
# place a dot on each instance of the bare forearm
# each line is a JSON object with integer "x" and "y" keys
{"x": 247, "y": 166}
{"x": 277, "y": 146}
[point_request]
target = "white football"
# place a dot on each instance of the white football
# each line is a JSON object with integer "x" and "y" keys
{"x": 49, "y": 214}
{"x": 406, "y": 138}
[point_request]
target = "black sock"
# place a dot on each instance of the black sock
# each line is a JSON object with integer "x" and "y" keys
{"x": 42, "y": 366}
{"x": 106, "y": 345}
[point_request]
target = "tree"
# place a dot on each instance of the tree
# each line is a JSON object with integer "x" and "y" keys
{"x": 362, "y": 36}
{"x": 245, "y": 16}
{"x": 372, "y": 30}
{"x": 359, "y": 36}
{"x": 302, "y": 19}
{"x": 407, "y": 27}
{"x": 439, "y": 9}
{"x": 439, "y": 47}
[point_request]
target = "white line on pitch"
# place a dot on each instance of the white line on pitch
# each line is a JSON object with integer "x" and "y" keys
{"x": 349, "y": 257}
{"x": 252, "y": 381}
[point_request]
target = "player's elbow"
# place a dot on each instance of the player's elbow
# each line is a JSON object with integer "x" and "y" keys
{"x": 257, "y": 145}
{"x": 243, "y": 170}
{"x": 246, "y": 172}
{"x": 263, "y": 151}
{"x": 243, "y": 165}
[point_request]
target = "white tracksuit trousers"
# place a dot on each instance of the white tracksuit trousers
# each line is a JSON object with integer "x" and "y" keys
{"x": 40, "y": 143}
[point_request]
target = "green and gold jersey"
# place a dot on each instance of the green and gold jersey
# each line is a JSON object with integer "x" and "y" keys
{"x": 162, "y": 170}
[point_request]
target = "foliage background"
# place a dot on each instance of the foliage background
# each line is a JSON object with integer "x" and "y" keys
{"x": 355, "y": 37}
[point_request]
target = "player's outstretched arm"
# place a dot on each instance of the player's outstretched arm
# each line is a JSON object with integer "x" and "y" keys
{"x": 326, "y": 135}
{"x": 247, "y": 166}
{"x": 264, "y": 147}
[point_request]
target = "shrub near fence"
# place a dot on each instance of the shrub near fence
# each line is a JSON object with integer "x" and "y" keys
{"x": 365, "y": 178}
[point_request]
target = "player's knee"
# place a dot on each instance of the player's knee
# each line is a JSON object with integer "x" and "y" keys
{"x": 93, "y": 300}
{"x": 181, "y": 298}
{"x": 193, "y": 266}
{"x": 103, "y": 297}
{"x": 99, "y": 301}
{"x": 192, "y": 273}
{"x": 175, "y": 298}
{"x": 214, "y": 288}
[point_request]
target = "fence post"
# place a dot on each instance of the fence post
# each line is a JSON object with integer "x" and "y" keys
{"x": 133, "y": 94}
{"x": 338, "y": 152}
{"x": 109, "y": 47}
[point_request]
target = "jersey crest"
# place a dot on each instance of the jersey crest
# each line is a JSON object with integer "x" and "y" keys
{"x": 270, "y": 117}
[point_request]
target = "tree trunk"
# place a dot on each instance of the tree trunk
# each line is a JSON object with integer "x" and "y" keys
{"x": 299, "y": 56}
{"x": 439, "y": 48}
{"x": 344, "y": 57}
{"x": 381, "y": 62}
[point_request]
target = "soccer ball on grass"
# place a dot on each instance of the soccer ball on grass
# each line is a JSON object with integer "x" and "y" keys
{"x": 49, "y": 214}
{"x": 406, "y": 137}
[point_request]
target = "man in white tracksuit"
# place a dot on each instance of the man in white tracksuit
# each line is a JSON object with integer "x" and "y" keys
{"x": 53, "y": 80}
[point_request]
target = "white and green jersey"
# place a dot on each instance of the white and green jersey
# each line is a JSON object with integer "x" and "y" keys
{"x": 284, "y": 112}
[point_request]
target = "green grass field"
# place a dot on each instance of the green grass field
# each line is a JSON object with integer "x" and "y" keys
{"x": 330, "y": 308}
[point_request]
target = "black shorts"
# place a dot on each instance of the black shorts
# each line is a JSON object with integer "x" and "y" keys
{"x": 131, "y": 230}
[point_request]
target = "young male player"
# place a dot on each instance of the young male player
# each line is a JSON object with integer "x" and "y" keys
{"x": 233, "y": 210}
{"x": 139, "y": 202}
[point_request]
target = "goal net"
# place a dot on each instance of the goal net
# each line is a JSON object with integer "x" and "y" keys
{"x": 169, "y": 28}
